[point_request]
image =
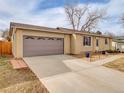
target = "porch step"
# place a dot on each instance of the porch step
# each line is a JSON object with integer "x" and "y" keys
{"x": 18, "y": 64}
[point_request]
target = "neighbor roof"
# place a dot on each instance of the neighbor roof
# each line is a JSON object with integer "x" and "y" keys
{"x": 46, "y": 29}
{"x": 119, "y": 39}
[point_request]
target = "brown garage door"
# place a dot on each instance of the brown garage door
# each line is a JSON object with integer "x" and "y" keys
{"x": 39, "y": 46}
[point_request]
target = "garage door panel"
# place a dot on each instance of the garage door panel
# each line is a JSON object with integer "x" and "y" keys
{"x": 38, "y": 46}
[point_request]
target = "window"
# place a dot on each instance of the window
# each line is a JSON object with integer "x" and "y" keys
{"x": 97, "y": 42}
{"x": 87, "y": 41}
{"x": 59, "y": 39}
{"x": 43, "y": 38}
{"x": 50, "y": 38}
{"x": 29, "y": 37}
{"x": 106, "y": 41}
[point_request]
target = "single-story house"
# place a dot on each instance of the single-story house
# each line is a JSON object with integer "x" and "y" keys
{"x": 30, "y": 40}
{"x": 118, "y": 43}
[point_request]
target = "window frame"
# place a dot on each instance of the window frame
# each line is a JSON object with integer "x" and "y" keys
{"x": 87, "y": 41}
{"x": 97, "y": 42}
{"x": 106, "y": 41}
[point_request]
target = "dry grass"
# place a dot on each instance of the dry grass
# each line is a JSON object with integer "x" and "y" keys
{"x": 99, "y": 57}
{"x": 18, "y": 81}
{"x": 117, "y": 64}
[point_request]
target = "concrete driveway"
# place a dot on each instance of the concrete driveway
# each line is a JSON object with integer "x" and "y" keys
{"x": 66, "y": 74}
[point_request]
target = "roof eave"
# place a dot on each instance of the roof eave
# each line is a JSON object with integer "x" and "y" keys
{"x": 46, "y": 29}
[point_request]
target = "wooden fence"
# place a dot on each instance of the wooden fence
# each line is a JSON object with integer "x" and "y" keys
{"x": 5, "y": 48}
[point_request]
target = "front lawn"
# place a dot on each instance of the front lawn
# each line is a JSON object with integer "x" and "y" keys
{"x": 117, "y": 64}
{"x": 18, "y": 81}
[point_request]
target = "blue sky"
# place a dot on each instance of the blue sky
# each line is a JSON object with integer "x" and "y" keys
{"x": 51, "y": 13}
{"x": 57, "y": 3}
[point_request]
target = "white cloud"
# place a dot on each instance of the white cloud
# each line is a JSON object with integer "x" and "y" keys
{"x": 114, "y": 12}
{"x": 22, "y": 11}
{"x": 115, "y": 7}
{"x": 50, "y": 17}
{"x": 14, "y": 7}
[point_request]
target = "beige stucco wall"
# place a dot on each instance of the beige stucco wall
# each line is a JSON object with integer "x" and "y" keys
{"x": 114, "y": 45}
{"x": 67, "y": 44}
{"x": 19, "y": 42}
{"x": 77, "y": 46}
{"x": 19, "y": 39}
{"x": 73, "y": 44}
{"x": 13, "y": 40}
{"x": 102, "y": 45}
{"x": 110, "y": 43}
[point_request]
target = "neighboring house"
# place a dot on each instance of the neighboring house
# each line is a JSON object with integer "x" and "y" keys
{"x": 118, "y": 43}
{"x": 1, "y": 36}
{"x": 30, "y": 40}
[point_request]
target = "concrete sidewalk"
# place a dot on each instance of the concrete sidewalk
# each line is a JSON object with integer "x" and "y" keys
{"x": 106, "y": 60}
{"x": 66, "y": 74}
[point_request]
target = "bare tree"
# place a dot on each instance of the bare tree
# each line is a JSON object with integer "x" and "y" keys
{"x": 92, "y": 20}
{"x": 6, "y": 34}
{"x": 111, "y": 34}
{"x": 99, "y": 32}
{"x": 76, "y": 14}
